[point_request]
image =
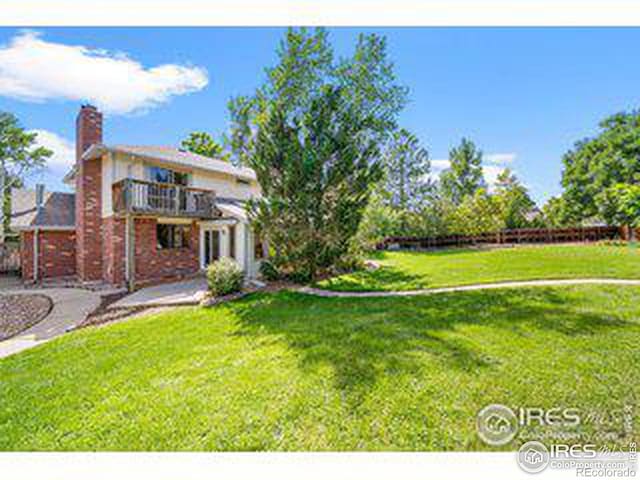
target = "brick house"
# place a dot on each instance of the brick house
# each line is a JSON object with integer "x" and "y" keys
{"x": 139, "y": 214}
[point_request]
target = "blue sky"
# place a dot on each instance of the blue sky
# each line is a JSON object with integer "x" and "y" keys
{"x": 524, "y": 95}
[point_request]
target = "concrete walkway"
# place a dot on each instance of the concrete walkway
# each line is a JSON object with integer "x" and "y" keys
{"x": 483, "y": 286}
{"x": 187, "y": 292}
{"x": 191, "y": 292}
{"x": 70, "y": 307}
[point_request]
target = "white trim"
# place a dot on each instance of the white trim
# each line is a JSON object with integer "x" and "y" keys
{"x": 44, "y": 228}
{"x": 233, "y": 210}
{"x": 201, "y": 246}
{"x": 222, "y": 222}
{"x": 174, "y": 221}
{"x": 223, "y": 236}
{"x": 162, "y": 158}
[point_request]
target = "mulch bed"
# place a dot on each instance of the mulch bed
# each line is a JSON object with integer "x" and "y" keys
{"x": 18, "y": 312}
{"x": 105, "y": 314}
{"x": 111, "y": 315}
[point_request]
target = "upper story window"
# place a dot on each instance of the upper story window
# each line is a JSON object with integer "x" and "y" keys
{"x": 166, "y": 175}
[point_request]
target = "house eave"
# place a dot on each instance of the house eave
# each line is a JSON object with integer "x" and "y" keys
{"x": 41, "y": 228}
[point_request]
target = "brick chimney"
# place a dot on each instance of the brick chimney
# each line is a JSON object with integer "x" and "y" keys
{"x": 88, "y": 196}
{"x": 88, "y": 129}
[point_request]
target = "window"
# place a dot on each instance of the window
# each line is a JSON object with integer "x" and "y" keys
{"x": 165, "y": 175}
{"x": 172, "y": 236}
{"x": 242, "y": 181}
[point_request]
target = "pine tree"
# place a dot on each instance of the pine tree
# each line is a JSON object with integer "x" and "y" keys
{"x": 407, "y": 168}
{"x": 312, "y": 134}
{"x": 202, "y": 143}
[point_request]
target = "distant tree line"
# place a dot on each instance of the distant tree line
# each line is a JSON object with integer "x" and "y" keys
{"x": 459, "y": 201}
{"x": 601, "y": 177}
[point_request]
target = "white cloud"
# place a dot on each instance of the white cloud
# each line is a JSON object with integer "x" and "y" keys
{"x": 33, "y": 69}
{"x": 500, "y": 158}
{"x": 493, "y": 164}
{"x": 63, "y": 150}
{"x": 439, "y": 165}
{"x": 491, "y": 173}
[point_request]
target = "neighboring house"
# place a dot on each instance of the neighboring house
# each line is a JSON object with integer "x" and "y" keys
{"x": 139, "y": 214}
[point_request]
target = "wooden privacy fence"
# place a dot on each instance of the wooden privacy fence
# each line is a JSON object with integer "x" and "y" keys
{"x": 519, "y": 235}
{"x": 9, "y": 258}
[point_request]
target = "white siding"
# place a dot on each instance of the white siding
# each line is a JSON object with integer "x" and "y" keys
{"x": 223, "y": 185}
{"x": 118, "y": 166}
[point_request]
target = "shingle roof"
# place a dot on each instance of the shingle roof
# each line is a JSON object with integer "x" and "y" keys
{"x": 176, "y": 156}
{"x": 58, "y": 210}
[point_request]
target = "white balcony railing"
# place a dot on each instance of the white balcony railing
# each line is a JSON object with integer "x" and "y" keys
{"x": 142, "y": 197}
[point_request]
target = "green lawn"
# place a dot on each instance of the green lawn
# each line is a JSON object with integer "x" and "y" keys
{"x": 288, "y": 371}
{"x": 443, "y": 268}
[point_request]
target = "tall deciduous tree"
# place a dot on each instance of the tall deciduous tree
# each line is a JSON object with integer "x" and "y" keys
{"x": 479, "y": 212}
{"x": 464, "y": 175}
{"x": 204, "y": 144}
{"x": 407, "y": 168}
{"x": 514, "y": 200}
{"x": 19, "y": 156}
{"x": 595, "y": 164}
{"x": 312, "y": 134}
{"x": 620, "y": 205}
{"x": 556, "y": 214}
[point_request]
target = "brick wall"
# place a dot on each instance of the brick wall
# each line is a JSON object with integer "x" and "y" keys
{"x": 88, "y": 129}
{"x": 89, "y": 220}
{"x": 88, "y": 196}
{"x": 56, "y": 254}
{"x": 113, "y": 253}
{"x": 152, "y": 263}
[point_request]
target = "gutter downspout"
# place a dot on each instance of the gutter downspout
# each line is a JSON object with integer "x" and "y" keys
{"x": 39, "y": 204}
{"x": 36, "y": 231}
{"x": 129, "y": 257}
{"x": 126, "y": 250}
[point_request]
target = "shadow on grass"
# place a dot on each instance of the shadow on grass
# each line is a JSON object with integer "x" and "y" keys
{"x": 364, "y": 339}
{"x": 380, "y": 279}
{"x": 392, "y": 277}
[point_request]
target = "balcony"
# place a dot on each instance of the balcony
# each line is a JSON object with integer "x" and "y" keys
{"x": 139, "y": 197}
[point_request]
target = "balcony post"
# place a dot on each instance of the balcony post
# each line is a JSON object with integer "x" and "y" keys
{"x": 127, "y": 195}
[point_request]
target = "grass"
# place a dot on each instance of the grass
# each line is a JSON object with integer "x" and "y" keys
{"x": 443, "y": 268}
{"x": 288, "y": 371}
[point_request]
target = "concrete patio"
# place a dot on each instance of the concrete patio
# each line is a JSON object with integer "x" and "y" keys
{"x": 70, "y": 307}
{"x": 188, "y": 292}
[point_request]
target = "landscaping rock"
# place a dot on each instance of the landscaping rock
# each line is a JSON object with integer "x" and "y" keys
{"x": 21, "y": 311}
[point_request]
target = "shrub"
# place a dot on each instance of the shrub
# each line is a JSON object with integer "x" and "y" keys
{"x": 350, "y": 262}
{"x": 269, "y": 271}
{"x": 224, "y": 276}
{"x": 301, "y": 277}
